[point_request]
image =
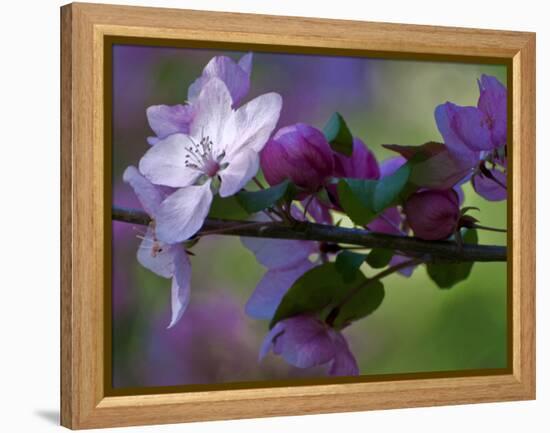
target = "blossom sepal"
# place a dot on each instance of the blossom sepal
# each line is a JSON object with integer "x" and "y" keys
{"x": 255, "y": 201}
{"x": 338, "y": 135}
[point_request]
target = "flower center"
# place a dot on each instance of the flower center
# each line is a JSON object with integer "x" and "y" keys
{"x": 201, "y": 156}
{"x": 152, "y": 244}
{"x": 156, "y": 249}
{"x": 211, "y": 167}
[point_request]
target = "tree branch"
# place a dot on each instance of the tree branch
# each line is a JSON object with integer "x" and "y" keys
{"x": 429, "y": 251}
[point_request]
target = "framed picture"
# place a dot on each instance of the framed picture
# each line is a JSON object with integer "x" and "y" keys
{"x": 269, "y": 216}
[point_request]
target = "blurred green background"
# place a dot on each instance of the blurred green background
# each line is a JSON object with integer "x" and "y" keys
{"x": 418, "y": 328}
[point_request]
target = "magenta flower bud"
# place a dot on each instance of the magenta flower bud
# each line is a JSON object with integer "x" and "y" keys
{"x": 300, "y": 153}
{"x": 362, "y": 163}
{"x": 433, "y": 214}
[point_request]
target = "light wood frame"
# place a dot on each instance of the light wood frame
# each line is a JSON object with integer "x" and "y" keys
{"x": 83, "y": 220}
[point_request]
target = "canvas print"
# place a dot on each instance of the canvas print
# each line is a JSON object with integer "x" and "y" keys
{"x": 283, "y": 218}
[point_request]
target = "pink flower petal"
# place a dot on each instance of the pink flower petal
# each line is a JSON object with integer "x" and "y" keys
{"x": 391, "y": 165}
{"x": 267, "y": 296}
{"x": 181, "y": 284}
{"x": 165, "y": 120}
{"x": 488, "y": 188}
{"x": 182, "y": 214}
{"x": 492, "y": 101}
{"x": 236, "y": 77}
{"x": 277, "y": 254}
{"x": 389, "y": 222}
{"x": 267, "y": 344}
{"x": 306, "y": 342}
{"x": 344, "y": 363}
{"x": 321, "y": 214}
{"x": 255, "y": 121}
{"x": 240, "y": 169}
{"x": 406, "y": 272}
{"x": 470, "y": 125}
{"x": 245, "y": 62}
{"x": 444, "y": 116}
{"x": 361, "y": 164}
{"x": 156, "y": 256}
{"x": 213, "y": 114}
{"x": 148, "y": 194}
{"x": 164, "y": 163}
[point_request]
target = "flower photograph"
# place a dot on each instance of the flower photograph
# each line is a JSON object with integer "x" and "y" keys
{"x": 280, "y": 218}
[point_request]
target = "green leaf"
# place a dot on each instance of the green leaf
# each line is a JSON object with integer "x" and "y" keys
{"x": 432, "y": 166}
{"x": 338, "y": 135}
{"x": 363, "y": 199}
{"x": 417, "y": 153}
{"x": 361, "y": 304}
{"x": 389, "y": 188}
{"x": 379, "y": 257}
{"x": 317, "y": 289}
{"x": 227, "y": 208}
{"x": 446, "y": 275}
{"x": 348, "y": 262}
{"x": 355, "y": 196}
{"x": 255, "y": 201}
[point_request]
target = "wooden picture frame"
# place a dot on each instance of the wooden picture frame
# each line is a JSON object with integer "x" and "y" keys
{"x": 84, "y": 271}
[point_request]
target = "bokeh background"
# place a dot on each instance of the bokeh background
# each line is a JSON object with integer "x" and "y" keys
{"x": 418, "y": 328}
